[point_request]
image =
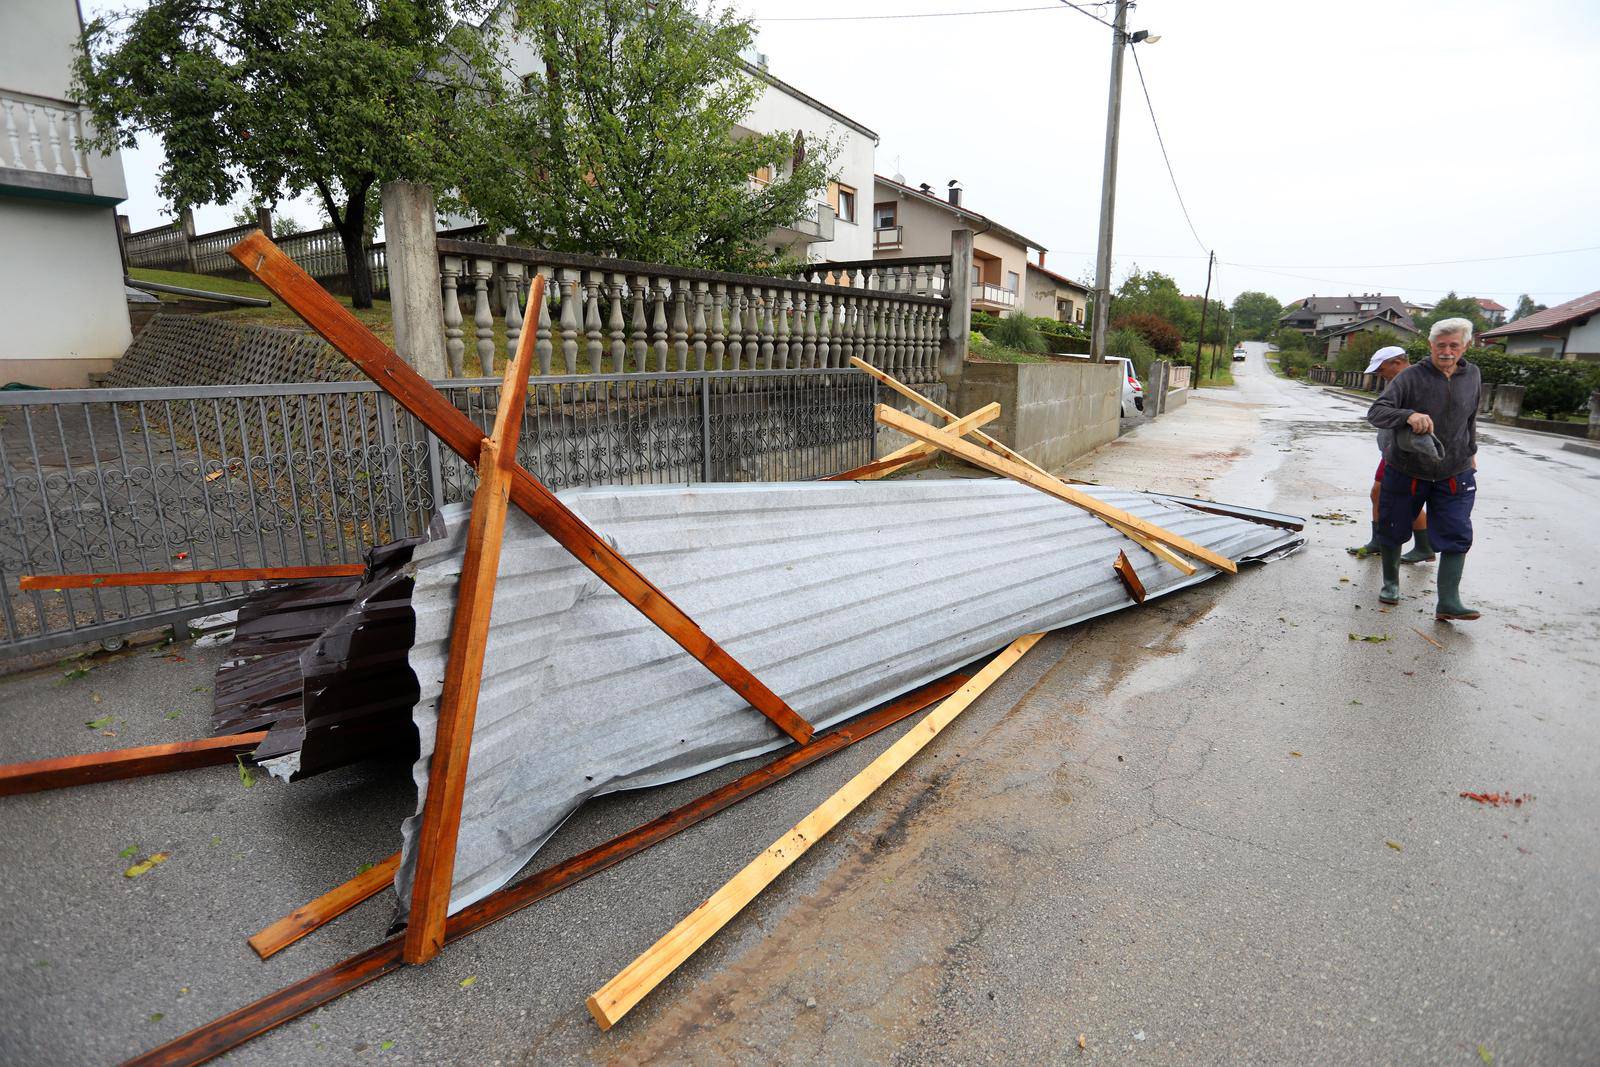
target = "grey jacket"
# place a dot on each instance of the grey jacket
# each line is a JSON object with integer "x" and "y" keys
{"x": 1451, "y": 402}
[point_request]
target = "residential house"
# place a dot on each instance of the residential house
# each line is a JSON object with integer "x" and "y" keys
{"x": 1414, "y": 308}
{"x": 61, "y": 292}
{"x": 1333, "y": 320}
{"x": 834, "y": 227}
{"x": 1493, "y": 312}
{"x": 1054, "y": 296}
{"x": 1566, "y": 331}
{"x": 910, "y": 223}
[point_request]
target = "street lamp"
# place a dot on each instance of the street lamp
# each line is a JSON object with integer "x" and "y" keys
{"x": 1120, "y": 38}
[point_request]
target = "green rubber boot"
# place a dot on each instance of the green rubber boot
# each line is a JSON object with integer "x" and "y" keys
{"x": 1390, "y": 591}
{"x": 1450, "y": 608}
{"x": 1370, "y": 548}
{"x": 1421, "y": 549}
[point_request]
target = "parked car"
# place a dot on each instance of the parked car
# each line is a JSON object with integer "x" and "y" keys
{"x": 1132, "y": 391}
{"x": 1238, "y": 354}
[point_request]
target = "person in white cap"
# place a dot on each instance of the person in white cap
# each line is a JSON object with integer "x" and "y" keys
{"x": 1387, "y": 363}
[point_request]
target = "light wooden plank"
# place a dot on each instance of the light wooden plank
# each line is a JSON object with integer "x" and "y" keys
{"x": 956, "y": 446}
{"x": 617, "y": 997}
{"x": 235, "y": 574}
{"x": 913, "y": 452}
{"x": 463, "y": 674}
{"x": 323, "y": 910}
{"x": 301, "y": 294}
{"x": 1155, "y": 548}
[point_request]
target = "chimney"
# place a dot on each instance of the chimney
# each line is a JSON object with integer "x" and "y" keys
{"x": 926, "y": 188}
{"x": 1041, "y": 257}
{"x": 954, "y": 186}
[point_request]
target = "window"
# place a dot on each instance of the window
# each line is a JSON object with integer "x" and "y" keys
{"x": 1012, "y": 281}
{"x": 885, "y": 215}
{"x": 1078, "y": 312}
{"x": 763, "y": 174}
{"x": 842, "y": 198}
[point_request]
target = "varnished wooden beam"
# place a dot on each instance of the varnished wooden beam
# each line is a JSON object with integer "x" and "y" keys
{"x": 913, "y": 452}
{"x": 37, "y": 775}
{"x": 237, "y": 1027}
{"x": 235, "y": 574}
{"x": 349, "y": 335}
{"x": 329, "y": 906}
{"x": 1130, "y": 577}
{"x": 463, "y": 673}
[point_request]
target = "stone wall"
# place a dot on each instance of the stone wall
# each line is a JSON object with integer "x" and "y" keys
{"x": 1050, "y": 412}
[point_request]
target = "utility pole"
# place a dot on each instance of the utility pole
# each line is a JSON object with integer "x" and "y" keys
{"x": 1205, "y": 305}
{"x": 1108, "y": 189}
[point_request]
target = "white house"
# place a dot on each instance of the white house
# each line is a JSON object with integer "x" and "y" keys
{"x": 838, "y": 226}
{"x": 62, "y": 301}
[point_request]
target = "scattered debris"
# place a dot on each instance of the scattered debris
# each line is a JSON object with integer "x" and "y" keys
{"x": 1495, "y": 800}
{"x": 100, "y": 723}
{"x": 1428, "y": 639}
{"x": 1294, "y": 753}
{"x": 146, "y": 865}
{"x": 132, "y": 850}
{"x": 1485, "y": 1055}
{"x": 246, "y": 775}
{"x": 1373, "y": 638}
{"x": 469, "y": 981}
{"x": 1394, "y": 845}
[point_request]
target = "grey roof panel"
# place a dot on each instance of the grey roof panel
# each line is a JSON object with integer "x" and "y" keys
{"x": 837, "y": 595}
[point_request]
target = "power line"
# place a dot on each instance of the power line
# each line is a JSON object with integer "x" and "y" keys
{"x": 1160, "y": 141}
{"x": 1425, "y": 263}
{"x": 1083, "y": 10}
{"x": 1381, "y": 286}
{"x": 928, "y": 14}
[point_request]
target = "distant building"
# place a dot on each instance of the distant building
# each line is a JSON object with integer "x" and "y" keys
{"x": 1053, "y": 296}
{"x": 1566, "y": 331}
{"x": 1415, "y": 308}
{"x": 1316, "y": 314}
{"x": 61, "y": 294}
{"x": 1494, "y": 313}
{"x": 911, "y": 222}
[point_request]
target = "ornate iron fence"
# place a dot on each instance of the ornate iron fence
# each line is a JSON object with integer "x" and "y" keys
{"x": 280, "y": 475}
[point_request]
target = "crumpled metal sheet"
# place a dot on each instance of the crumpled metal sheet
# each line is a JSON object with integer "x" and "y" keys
{"x": 837, "y": 595}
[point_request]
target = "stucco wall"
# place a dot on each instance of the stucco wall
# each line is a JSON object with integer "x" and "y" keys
{"x": 1042, "y": 291}
{"x": 61, "y": 295}
{"x": 1050, "y": 412}
{"x": 1583, "y": 342}
{"x": 927, "y": 233}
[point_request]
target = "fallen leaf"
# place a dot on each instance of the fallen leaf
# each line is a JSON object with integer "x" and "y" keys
{"x": 385, "y": 1046}
{"x": 128, "y": 852}
{"x": 174, "y": 714}
{"x": 146, "y": 866}
{"x": 215, "y": 841}
{"x": 95, "y": 697}
{"x": 1394, "y": 845}
{"x": 364, "y": 868}
{"x": 77, "y": 672}
{"x": 1357, "y": 703}
{"x": 1374, "y": 638}
{"x": 200, "y": 689}
{"x": 100, "y": 723}
{"x": 1083, "y": 1041}
{"x": 1485, "y": 1055}
{"x": 1295, "y": 754}
{"x": 246, "y": 775}
{"x": 157, "y": 1016}
{"x": 469, "y": 981}
{"x": 1344, "y": 579}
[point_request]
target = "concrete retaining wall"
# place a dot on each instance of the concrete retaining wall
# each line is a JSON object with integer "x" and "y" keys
{"x": 1176, "y": 398}
{"x": 1050, "y": 412}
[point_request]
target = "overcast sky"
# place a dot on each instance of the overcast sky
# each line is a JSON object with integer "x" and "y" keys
{"x": 1316, "y": 145}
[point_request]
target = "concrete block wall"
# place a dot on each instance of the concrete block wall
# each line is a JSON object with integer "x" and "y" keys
{"x": 1050, "y": 412}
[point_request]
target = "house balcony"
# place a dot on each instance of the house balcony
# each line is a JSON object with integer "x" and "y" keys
{"x": 986, "y": 296}
{"x": 39, "y": 150}
{"x": 888, "y": 238}
{"x": 815, "y": 225}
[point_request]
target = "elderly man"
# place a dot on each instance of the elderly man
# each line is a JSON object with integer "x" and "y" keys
{"x": 1387, "y": 363}
{"x": 1431, "y": 460}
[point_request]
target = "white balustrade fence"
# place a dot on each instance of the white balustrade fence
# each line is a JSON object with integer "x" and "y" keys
{"x": 40, "y": 135}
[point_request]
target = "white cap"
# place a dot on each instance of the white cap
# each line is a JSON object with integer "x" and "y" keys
{"x": 1384, "y": 355}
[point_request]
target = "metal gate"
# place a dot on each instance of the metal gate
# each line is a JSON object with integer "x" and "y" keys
{"x": 282, "y": 475}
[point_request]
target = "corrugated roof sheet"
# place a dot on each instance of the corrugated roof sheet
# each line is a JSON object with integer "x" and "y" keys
{"x": 838, "y": 595}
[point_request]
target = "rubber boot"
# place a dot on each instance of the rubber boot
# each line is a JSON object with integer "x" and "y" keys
{"x": 1390, "y": 591}
{"x": 1450, "y": 608}
{"x": 1421, "y": 549}
{"x": 1368, "y": 549}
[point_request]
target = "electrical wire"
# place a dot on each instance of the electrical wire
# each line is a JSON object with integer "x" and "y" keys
{"x": 1390, "y": 287}
{"x": 1165, "y": 158}
{"x": 1425, "y": 263}
{"x": 930, "y": 14}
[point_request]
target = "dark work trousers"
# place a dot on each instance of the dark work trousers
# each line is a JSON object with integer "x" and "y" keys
{"x": 1449, "y": 501}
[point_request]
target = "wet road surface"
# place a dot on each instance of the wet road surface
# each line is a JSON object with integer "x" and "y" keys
{"x": 1212, "y": 830}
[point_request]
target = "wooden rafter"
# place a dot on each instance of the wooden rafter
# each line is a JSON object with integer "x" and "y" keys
{"x": 1130, "y": 577}
{"x": 349, "y": 335}
{"x": 1049, "y": 485}
{"x": 1155, "y": 548}
{"x": 37, "y": 775}
{"x": 617, "y": 997}
{"x": 463, "y": 672}
{"x": 236, "y": 574}
{"x": 237, "y": 1027}
{"x": 329, "y": 906}
{"x": 917, "y": 450}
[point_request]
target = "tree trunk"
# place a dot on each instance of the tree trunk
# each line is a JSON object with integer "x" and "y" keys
{"x": 353, "y": 234}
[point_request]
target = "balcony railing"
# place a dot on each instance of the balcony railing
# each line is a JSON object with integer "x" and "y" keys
{"x": 39, "y": 137}
{"x": 816, "y": 224}
{"x": 888, "y": 238}
{"x": 989, "y": 293}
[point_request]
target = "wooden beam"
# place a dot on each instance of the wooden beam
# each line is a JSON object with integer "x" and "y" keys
{"x": 1155, "y": 548}
{"x": 329, "y": 906}
{"x": 463, "y": 673}
{"x": 37, "y": 775}
{"x": 275, "y": 1009}
{"x": 617, "y": 997}
{"x": 282, "y": 276}
{"x": 913, "y": 452}
{"x": 237, "y": 574}
{"x": 1049, "y": 485}
{"x": 1130, "y": 577}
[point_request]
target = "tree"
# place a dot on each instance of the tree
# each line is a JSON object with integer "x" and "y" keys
{"x": 1157, "y": 332}
{"x": 1526, "y": 307}
{"x": 288, "y": 96}
{"x": 1154, "y": 293}
{"x": 1255, "y": 315}
{"x": 1358, "y": 349}
{"x": 625, "y": 143}
{"x": 1454, "y": 307}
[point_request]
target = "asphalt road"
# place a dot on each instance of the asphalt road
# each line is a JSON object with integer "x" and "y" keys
{"x": 1214, "y": 829}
